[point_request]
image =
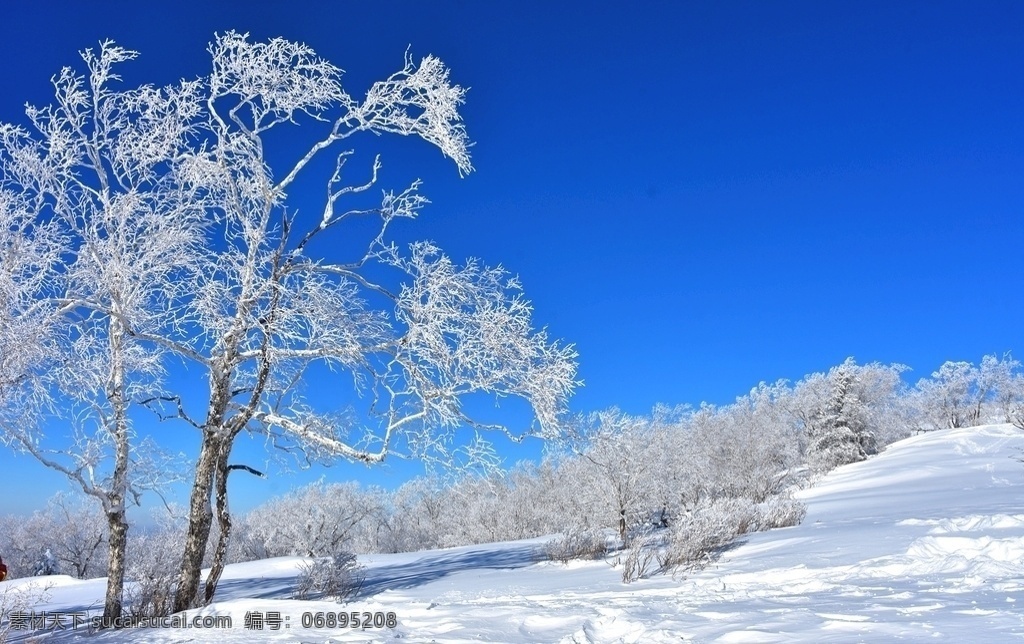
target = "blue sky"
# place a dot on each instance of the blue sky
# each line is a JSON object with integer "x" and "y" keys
{"x": 700, "y": 196}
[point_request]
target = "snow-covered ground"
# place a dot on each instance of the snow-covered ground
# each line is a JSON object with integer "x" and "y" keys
{"x": 924, "y": 542}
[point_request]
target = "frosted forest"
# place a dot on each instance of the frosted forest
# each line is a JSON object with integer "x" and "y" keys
{"x": 667, "y": 490}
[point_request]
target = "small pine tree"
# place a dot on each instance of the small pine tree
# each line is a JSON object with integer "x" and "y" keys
{"x": 47, "y": 564}
{"x": 840, "y": 435}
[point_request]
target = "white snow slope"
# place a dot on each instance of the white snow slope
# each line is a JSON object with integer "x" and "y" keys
{"x": 924, "y": 542}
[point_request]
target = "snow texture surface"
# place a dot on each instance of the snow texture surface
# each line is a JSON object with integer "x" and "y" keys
{"x": 924, "y": 542}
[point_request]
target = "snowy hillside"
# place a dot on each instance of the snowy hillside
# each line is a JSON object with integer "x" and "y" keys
{"x": 924, "y": 542}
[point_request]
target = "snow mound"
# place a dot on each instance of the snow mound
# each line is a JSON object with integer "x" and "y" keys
{"x": 973, "y": 523}
{"x": 610, "y": 629}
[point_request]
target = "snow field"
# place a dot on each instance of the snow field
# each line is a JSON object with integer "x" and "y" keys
{"x": 924, "y": 542}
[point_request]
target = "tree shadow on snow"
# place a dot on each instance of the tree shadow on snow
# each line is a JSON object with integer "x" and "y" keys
{"x": 429, "y": 567}
{"x": 261, "y": 588}
{"x": 435, "y": 565}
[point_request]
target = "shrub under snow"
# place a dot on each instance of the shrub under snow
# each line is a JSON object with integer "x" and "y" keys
{"x": 151, "y": 572}
{"x": 780, "y": 512}
{"x": 698, "y": 536}
{"x": 338, "y": 577}
{"x": 695, "y": 537}
{"x": 577, "y": 544}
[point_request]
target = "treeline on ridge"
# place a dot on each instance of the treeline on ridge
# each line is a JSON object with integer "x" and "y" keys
{"x": 665, "y": 491}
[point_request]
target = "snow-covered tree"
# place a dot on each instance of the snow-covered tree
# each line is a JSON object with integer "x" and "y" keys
{"x": 415, "y": 515}
{"x": 1002, "y": 385}
{"x": 73, "y": 530}
{"x": 850, "y": 412}
{"x": 178, "y": 240}
{"x": 837, "y": 434}
{"x": 757, "y": 447}
{"x": 537, "y": 500}
{"x": 268, "y": 310}
{"x": 683, "y": 445}
{"x": 825, "y": 403}
{"x": 612, "y": 470}
{"x": 90, "y": 252}
{"x": 315, "y": 521}
{"x": 47, "y": 564}
{"x": 946, "y": 398}
{"x": 961, "y": 394}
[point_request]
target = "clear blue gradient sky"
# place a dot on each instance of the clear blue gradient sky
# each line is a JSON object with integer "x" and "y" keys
{"x": 700, "y": 196}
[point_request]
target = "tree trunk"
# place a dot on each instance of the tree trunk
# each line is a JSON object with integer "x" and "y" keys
{"x": 200, "y": 518}
{"x": 217, "y": 442}
{"x": 117, "y": 521}
{"x": 117, "y": 525}
{"x": 223, "y": 522}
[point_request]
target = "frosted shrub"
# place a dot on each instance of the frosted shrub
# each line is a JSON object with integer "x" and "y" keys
{"x": 1016, "y": 415}
{"x": 577, "y": 544}
{"x": 151, "y": 594}
{"x": 697, "y": 536}
{"x": 22, "y": 598}
{"x": 780, "y": 512}
{"x": 640, "y": 557}
{"x": 339, "y": 577}
{"x": 153, "y": 557}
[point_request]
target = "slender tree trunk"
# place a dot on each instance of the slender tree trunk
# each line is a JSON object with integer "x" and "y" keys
{"x": 200, "y": 518}
{"x": 200, "y": 515}
{"x": 115, "y": 506}
{"x": 117, "y": 525}
{"x": 223, "y": 522}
